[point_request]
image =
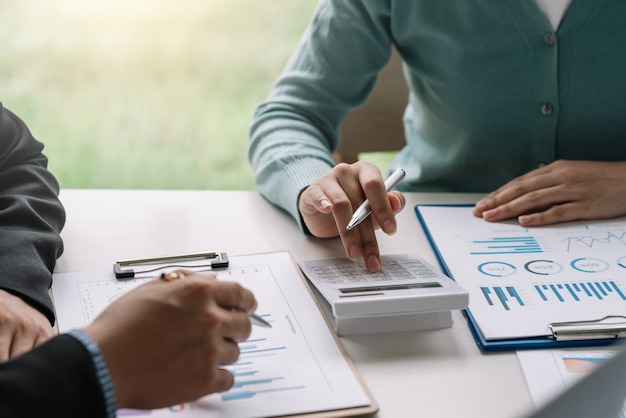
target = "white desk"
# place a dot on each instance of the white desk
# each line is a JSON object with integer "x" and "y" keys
{"x": 415, "y": 374}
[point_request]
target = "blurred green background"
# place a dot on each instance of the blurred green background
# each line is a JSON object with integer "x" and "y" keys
{"x": 145, "y": 93}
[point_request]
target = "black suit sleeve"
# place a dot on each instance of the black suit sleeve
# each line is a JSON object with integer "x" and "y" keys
{"x": 55, "y": 379}
{"x": 31, "y": 216}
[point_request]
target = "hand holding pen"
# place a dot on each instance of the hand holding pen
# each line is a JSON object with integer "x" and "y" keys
{"x": 254, "y": 318}
{"x": 168, "y": 341}
{"x": 327, "y": 206}
{"x": 365, "y": 209}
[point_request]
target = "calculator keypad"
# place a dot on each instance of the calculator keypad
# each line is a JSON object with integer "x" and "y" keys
{"x": 391, "y": 271}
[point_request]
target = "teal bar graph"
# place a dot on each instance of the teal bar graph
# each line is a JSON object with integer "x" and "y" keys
{"x": 505, "y": 245}
{"x": 502, "y": 296}
{"x": 579, "y": 291}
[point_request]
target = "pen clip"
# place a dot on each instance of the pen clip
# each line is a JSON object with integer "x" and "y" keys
{"x": 216, "y": 261}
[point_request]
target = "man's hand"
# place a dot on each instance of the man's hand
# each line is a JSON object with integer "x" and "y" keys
{"x": 559, "y": 192}
{"x": 22, "y": 327}
{"x": 164, "y": 342}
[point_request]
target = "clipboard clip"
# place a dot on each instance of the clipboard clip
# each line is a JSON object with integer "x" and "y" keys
{"x": 611, "y": 326}
{"x": 216, "y": 260}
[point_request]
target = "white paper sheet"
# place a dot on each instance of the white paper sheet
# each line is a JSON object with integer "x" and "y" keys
{"x": 521, "y": 280}
{"x": 550, "y": 372}
{"x": 294, "y": 367}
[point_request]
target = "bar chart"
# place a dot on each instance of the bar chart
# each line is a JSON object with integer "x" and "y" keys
{"x": 502, "y": 295}
{"x": 260, "y": 369}
{"x": 505, "y": 245}
{"x": 576, "y": 292}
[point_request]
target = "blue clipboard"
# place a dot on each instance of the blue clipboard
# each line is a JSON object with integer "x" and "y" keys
{"x": 529, "y": 343}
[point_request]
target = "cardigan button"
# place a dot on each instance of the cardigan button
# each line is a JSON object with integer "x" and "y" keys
{"x": 547, "y": 109}
{"x": 549, "y": 39}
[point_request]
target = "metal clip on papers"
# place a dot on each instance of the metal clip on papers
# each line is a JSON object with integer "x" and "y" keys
{"x": 612, "y": 326}
{"x": 215, "y": 261}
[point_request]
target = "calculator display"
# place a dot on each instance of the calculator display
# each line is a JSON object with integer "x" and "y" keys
{"x": 347, "y": 290}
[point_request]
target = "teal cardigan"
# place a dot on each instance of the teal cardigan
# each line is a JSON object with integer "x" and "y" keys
{"x": 494, "y": 91}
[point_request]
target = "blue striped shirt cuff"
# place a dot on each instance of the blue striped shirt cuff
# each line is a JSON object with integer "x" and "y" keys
{"x": 102, "y": 371}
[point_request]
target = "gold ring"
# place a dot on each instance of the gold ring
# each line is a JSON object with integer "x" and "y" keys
{"x": 168, "y": 277}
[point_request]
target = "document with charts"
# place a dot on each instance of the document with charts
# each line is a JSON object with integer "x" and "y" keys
{"x": 296, "y": 367}
{"x": 550, "y": 372}
{"x": 534, "y": 287}
{"x": 576, "y": 382}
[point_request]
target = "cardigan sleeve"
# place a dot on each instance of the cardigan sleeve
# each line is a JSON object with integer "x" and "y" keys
{"x": 332, "y": 70}
{"x": 31, "y": 215}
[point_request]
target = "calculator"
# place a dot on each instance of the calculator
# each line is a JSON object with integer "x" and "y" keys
{"x": 406, "y": 284}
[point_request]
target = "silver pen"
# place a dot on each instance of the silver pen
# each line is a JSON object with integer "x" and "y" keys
{"x": 257, "y": 320}
{"x": 364, "y": 210}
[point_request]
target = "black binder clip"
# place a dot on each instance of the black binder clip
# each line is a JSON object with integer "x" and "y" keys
{"x": 215, "y": 261}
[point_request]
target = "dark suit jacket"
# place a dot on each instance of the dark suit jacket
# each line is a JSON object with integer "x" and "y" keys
{"x": 31, "y": 216}
{"x": 55, "y": 379}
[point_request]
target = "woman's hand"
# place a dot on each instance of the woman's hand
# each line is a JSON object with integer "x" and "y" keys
{"x": 327, "y": 205}
{"x": 559, "y": 192}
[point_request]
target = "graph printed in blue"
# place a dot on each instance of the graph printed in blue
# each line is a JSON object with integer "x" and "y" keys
{"x": 505, "y": 245}
{"x": 581, "y": 291}
{"x": 255, "y": 371}
{"x": 595, "y": 240}
{"x": 505, "y": 295}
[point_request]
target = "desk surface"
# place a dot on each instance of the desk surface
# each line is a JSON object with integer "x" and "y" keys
{"x": 438, "y": 373}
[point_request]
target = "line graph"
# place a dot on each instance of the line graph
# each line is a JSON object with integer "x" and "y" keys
{"x": 595, "y": 240}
